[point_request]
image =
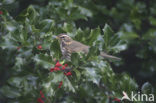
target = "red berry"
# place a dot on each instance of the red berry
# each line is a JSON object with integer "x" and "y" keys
{"x": 60, "y": 84}
{"x": 39, "y": 100}
{"x": 68, "y": 73}
{"x": 42, "y": 95}
{"x": 18, "y": 48}
{"x": 1, "y": 12}
{"x": 116, "y": 99}
{"x": 63, "y": 67}
{"x": 56, "y": 68}
{"x": 52, "y": 69}
{"x": 58, "y": 64}
{"x": 39, "y": 46}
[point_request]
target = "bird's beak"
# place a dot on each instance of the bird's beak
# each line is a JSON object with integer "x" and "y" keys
{"x": 55, "y": 37}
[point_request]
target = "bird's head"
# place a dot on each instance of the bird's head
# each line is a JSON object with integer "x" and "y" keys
{"x": 64, "y": 38}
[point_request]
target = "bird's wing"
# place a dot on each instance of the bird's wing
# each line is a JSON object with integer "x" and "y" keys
{"x": 77, "y": 47}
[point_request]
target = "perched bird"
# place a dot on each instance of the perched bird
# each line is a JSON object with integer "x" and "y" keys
{"x": 69, "y": 46}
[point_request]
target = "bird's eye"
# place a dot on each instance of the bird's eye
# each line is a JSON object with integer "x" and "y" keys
{"x": 62, "y": 37}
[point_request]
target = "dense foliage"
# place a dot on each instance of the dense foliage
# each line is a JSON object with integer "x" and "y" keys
{"x": 31, "y": 67}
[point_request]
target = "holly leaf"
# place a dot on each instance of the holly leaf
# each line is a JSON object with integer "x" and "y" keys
{"x": 112, "y": 41}
{"x": 10, "y": 92}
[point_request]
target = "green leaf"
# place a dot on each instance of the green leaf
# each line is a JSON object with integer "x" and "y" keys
{"x": 152, "y": 21}
{"x": 46, "y": 25}
{"x": 8, "y": 43}
{"x": 49, "y": 90}
{"x": 32, "y": 13}
{"x": 113, "y": 42}
{"x": 93, "y": 35}
{"x": 10, "y": 92}
{"x": 147, "y": 88}
{"x": 57, "y": 77}
{"x": 8, "y": 1}
{"x": 78, "y": 74}
{"x": 129, "y": 35}
{"x": 93, "y": 52}
{"x": 68, "y": 27}
{"x": 55, "y": 48}
{"x": 85, "y": 11}
{"x": 68, "y": 84}
{"x": 15, "y": 81}
{"x": 108, "y": 33}
{"x": 83, "y": 35}
{"x": 10, "y": 27}
{"x": 29, "y": 13}
{"x": 44, "y": 60}
{"x": 75, "y": 59}
{"x": 91, "y": 74}
{"x": 79, "y": 34}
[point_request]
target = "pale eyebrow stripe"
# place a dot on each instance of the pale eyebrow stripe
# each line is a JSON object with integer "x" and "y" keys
{"x": 64, "y": 35}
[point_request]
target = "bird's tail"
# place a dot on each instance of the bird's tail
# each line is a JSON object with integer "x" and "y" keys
{"x": 104, "y": 55}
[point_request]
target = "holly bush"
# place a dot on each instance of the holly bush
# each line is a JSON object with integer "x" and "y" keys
{"x": 31, "y": 67}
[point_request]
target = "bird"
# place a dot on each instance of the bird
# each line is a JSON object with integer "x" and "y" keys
{"x": 69, "y": 46}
